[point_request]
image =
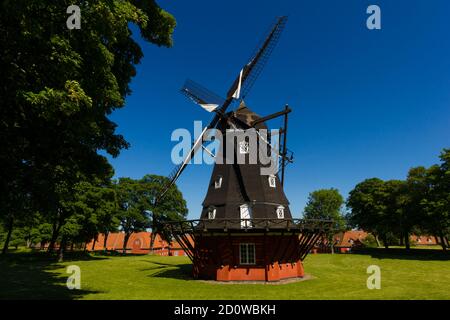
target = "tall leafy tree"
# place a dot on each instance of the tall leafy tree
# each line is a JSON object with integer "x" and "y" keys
{"x": 415, "y": 190}
{"x": 399, "y": 209}
{"x": 137, "y": 209}
{"x": 436, "y": 203}
{"x": 368, "y": 209}
{"x": 58, "y": 87}
{"x": 326, "y": 204}
{"x": 172, "y": 206}
{"x": 133, "y": 208}
{"x": 92, "y": 210}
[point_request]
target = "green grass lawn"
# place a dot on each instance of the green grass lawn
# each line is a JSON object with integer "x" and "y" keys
{"x": 422, "y": 274}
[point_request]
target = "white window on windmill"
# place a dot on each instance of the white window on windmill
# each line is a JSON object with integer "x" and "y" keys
{"x": 280, "y": 212}
{"x": 272, "y": 181}
{"x": 246, "y": 216}
{"x": 243, "y": 147}
{"x": 247, "y": 253}
{"x": 212, "y": 213}
{"x": 218, "y": 182}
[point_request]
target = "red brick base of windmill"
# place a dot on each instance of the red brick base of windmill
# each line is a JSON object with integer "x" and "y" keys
{"x": 247, "y": 257}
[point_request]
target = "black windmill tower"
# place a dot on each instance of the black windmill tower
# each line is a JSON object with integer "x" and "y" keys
{"x": 246, "y": 230}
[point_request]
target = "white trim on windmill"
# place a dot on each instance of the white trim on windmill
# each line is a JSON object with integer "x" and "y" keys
{"x": 210, "y": 107}
{"x": 237, "y": 93}
{"x": 212, "y": 155}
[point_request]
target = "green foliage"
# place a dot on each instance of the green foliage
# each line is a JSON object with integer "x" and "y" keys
{"x": 394, "y": 209}
{"x": 137, "y": 210}
{"x": 372, "y": 203}
{"x": 436, "y": 202}
{"x": 370, "y": 241}
{"x": 326, "y": 204}
{"x": 58, "y": 88}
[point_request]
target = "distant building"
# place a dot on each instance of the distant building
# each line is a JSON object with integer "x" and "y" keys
{"x": 424, "y": 240}
{"x": 345, "y": 241}
{"x": 139, "y": 243}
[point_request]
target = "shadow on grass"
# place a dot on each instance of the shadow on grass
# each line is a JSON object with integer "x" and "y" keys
{"x": 403, "y": 254}
{"x": 30, "y": 275}
{"x": 170, "y": 271}
{"x": 114, "y": 253}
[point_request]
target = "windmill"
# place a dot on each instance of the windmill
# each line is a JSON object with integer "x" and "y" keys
{"x": 246, "y": 230}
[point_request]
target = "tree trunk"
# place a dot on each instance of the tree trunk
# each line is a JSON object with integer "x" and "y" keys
{"x": 168, "y": 248}
{"x": 71, "y": 247}
{"x": 402, "y": 237}
{"x": 330, "y": 241}
{"x": 378, "y": 241}
{"x": 407, "y": 242}
{"x": 125, "y": 242}
{"x": 8, "y": 236}
{"x": 444, "y": 247}
{"x": 62, "y": 247}
{"x": 93, "y": 244}
{"x": 385, "y": 242}
{"x": 85, "y": 246}
{"x": 55, "y": 233}
{"x": 105, "y": 242}
{"x": 436, "y": 238}
{"x": 152, "y": 241}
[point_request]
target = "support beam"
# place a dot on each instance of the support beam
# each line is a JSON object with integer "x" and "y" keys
{"x": 272, "y": 116}
{"x": 283, "y": 163}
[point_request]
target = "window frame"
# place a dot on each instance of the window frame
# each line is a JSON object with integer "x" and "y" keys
{"x": 276, "y": 210}
{"x": 247, "y": 256}
{"x": 272, "y": 178}
{"x": 247, "y": 223}
{"x": 212, "y": 210}
{"x": 242, "y": 144}
{"x": 218, "y": 182}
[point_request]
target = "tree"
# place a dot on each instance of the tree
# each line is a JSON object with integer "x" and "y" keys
{"x": 368, "y": 210}
{"x": 326, "y": 204}
{"x": 58, "y": 87}
{"x": 92, "y": 209}
{"x": 170, "y": 208}
{"x": 15, "y": 205}
{"x": 399, "y": 213}
{"x": 415, "y": 190}
{"x": 133, "y": 206}
{"x": 137, "y": 210}
{"x": 436, "y": 203}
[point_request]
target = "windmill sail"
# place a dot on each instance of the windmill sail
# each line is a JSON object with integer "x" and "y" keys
{"x": 239, "y": 89}
{"x": 252, "y": 69}
{"x": 208, "y": 100}
{"x": 237, "y": 93}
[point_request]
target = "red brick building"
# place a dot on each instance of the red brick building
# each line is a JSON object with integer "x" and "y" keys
{"x": 139, "y": 243}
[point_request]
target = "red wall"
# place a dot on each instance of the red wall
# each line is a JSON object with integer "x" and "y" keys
{"x": 218, "y": 258}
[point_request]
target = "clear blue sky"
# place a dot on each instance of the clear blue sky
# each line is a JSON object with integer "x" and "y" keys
{"x": 365, "y": 103}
